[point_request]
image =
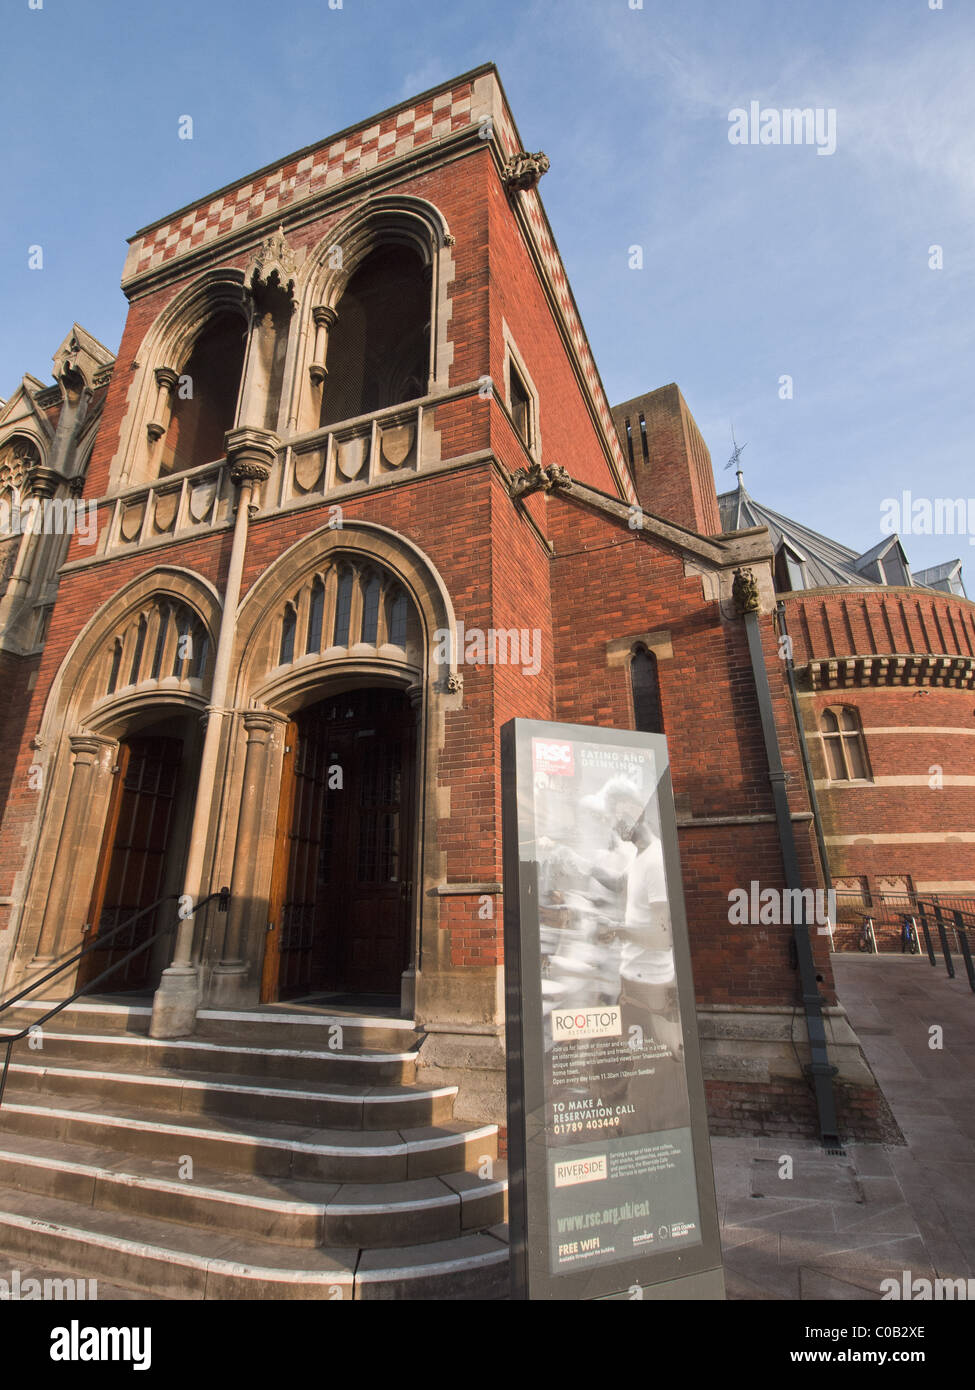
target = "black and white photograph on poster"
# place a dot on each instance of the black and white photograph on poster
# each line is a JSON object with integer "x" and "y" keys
{"x": 614, "y": 1055}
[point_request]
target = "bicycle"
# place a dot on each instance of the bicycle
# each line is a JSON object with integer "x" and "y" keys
{"x": 909, "y": 941}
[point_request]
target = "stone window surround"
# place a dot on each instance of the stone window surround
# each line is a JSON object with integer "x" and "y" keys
{"x": 513, "y": 358}
{"x": 317, "y": 287}
{"x": 841, "y": 737}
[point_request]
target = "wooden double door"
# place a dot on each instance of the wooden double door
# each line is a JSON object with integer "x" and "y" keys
{"x": 133, "y": 865}
{"x": 340, "y": 903}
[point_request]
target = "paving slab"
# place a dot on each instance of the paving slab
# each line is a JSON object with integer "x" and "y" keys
{"x": 848, "y": 1221}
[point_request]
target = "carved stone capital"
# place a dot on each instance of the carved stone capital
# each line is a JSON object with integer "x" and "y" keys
{"x": 250, "y": 453}
{"x": 87, "y": 748}
{"x": 324, "y": 316}
{"x": 166, "y": 377}
{"x": 744, "y": 591}
{"x": 259, "y": 723}
{"x": 155, "y": 431}
{"x": 523, "y": 171}
{"x": 43, "y": 482}
{"x": 453, "y": 683}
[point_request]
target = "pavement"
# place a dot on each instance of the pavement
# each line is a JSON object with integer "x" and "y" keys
{"x": 840, "y": 1225}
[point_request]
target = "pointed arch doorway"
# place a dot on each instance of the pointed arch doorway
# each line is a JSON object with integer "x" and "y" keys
{"x": 340, "y": 905}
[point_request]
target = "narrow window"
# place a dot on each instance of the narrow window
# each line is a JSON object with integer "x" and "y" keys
{"x": 520, "y": 404}
{"x": 343, "y": 609}
{"x": 397, "y": 619}
{"x": 287, "y": 653}
{"x": 370, "y": 610}
{"x": 165, "y": 612}
{"x": 643, "y": 439}
{"x": 629, "y": 441}
{"x": 116, "y": 663}
{"x": 185, "y": 643}
{"x": 201, "y": 648}
{"x": 316, "y": 612}
{"x": 647, "y": 713}
{"x": 140, "y": 643}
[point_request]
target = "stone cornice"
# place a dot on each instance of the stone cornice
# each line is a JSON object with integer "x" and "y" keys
{"x": 861, "y": 671}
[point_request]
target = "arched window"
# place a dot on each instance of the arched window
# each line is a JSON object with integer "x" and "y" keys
{"x": 844, "y": 745}
{"x": 116, "y": 666}
{"x": 370, "y": 608}
{"x": 204, "y": 400}
{"x": 396, "y": 621}
{"x": 288, "y": 627}
{"x": 165, "y": 640}
{"x": 343, "y": 609}
{"x": 379, "y": 345}
{"x": 316, "y": 612}
{"x": 647, "y": 713}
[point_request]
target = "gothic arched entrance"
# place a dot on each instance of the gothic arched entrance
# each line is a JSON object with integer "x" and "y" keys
{"x": 339, "y": 919}
{"x": 142, "y": 853}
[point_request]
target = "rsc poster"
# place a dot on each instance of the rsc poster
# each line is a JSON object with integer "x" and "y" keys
{"x": 606, "y": 1125}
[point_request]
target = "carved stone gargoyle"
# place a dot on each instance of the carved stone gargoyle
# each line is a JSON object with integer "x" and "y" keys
{"x": 744, "y": 591}
{"x": 523, "y": 171}
{"x": 535, "y": 478}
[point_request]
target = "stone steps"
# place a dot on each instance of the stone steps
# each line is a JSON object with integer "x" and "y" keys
{"x": 192, "y": 1263}
{"x": 267, "y": 1156}
{"x": 297, "y": 1102}
{"x": 366, "y": 1215}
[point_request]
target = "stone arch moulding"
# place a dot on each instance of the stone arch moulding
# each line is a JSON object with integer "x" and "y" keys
{"x": 282, "y": 689}
{"x": 71, "y": 704}
{"x": 256, "y": 663}
{"x": 393, "y": 219}
{"x": 166, "y": 345}
{"x": 80, "y": 722}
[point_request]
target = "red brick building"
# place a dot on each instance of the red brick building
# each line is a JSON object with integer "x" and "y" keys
{"x": 361, "y": 499}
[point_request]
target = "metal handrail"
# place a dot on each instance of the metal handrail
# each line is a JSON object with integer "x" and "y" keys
{"x": 222, "y": 894}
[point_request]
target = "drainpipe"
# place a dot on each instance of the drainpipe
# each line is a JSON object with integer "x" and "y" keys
{"x": 250, "y": 454}
{"x": 803, "y": 746}
{"x": 820, "y": 1068}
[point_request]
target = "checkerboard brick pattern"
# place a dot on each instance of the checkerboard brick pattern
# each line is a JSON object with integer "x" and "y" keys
{"x": 396, "y": 134}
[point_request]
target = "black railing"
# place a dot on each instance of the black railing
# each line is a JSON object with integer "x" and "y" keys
{"x": 98, "y": 944}
{"x": 896, "y": 919}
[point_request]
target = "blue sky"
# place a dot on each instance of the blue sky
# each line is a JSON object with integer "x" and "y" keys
{"x": 758, "y": 261}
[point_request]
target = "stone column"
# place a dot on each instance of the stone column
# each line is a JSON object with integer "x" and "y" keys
{"x": 250, "y": 454}
{"x": 80, "y": 837}
{"x": 324, "y": 319}
{"x": 166, "y": 379}
{"x": 230, "y": 976}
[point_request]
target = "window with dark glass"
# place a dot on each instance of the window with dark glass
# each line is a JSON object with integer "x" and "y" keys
{"x": 379, "y": 345}
{"x": 647, "y": 712}
{"x": 205, "y": 398}
{"x": 521, "y": 409}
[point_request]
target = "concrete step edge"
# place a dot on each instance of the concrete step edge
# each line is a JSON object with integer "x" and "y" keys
{"x": 420, "y": 1092}
{"x": 258, "y": 1140}
{"x": 219, "y": 1194}
{"x": 202, "y": 1046}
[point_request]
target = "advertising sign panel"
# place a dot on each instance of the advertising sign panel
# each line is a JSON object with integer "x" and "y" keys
{"x": 611, "y": 1186}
